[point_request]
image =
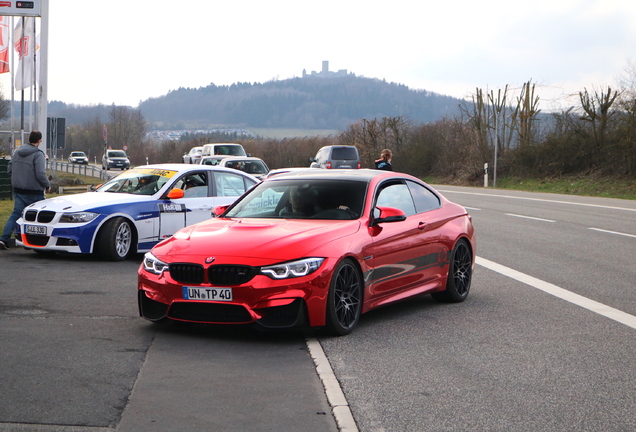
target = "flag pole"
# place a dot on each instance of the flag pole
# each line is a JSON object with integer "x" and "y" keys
{"x": 21, "y": 59}
{"x": 12, "y": 85}
{"x": 44, "y": 67}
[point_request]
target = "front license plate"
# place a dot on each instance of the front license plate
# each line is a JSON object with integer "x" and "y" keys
{"x": 205, "y": 293}
{"x": 35, "y": 230}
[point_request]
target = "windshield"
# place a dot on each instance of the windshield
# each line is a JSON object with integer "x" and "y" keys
{"x": 302, "y": 199}
{"x": 248, "y": 166}
{"x": 113, "y": 154}
{"x": 138, "y": 181}
{"x": 77, "y": 154}
{"x": 211, "y": 160}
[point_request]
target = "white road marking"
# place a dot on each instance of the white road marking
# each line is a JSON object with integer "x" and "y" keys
{"x": 471, "y": 208}
{"x": 529, "y": 217}
{"x": 613, "y": 232}
{"x": 540, "y": 199}
{"x": 335, "y": 395}
{"x": 584, "y": 302}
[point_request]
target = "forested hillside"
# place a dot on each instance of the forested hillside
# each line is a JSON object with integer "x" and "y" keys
{"x": 306, "y": 103}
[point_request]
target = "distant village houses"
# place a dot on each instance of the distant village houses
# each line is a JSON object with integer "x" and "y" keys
{"x": 325, "y": 72}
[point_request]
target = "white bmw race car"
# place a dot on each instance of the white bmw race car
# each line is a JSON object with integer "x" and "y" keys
{"x": 132, "y": 212}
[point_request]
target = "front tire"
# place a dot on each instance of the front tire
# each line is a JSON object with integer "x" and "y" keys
{"x": 115, "y": 239}
{"x": 460, "y": 275}
{"x": 344, "y": 302}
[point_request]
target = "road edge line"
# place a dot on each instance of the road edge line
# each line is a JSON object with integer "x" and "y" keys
{"x": 584, "y": 302}
{"x": 335, "y": 395}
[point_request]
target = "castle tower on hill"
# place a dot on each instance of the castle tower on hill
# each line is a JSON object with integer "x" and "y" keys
{"x": 325, "y": 73}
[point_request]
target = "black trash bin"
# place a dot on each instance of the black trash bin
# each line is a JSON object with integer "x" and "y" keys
{"x": 5, "y": 180}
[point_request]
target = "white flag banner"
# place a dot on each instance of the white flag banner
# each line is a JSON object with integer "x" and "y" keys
{"x": 25, "y": 45}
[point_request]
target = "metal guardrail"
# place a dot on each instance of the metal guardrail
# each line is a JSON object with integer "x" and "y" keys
{"x": 87, "y": 170}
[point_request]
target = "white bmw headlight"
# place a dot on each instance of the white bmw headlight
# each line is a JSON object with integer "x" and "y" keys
{"x": 292, "y": 269}
{"x": 78, "y": 217}
{"x": 154, "y": 265}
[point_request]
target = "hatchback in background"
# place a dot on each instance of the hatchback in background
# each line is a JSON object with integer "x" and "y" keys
{"x": 115, "y": 159}
{"x": 251, "y": 165}
{"x": 211, "y": 160}
{"x": 78, "y": 157}
{"x": 193, "y": 156}
{"x": 336, "y": 157}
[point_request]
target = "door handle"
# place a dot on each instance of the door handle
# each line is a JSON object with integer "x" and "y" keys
{"x": 422, "y": 226}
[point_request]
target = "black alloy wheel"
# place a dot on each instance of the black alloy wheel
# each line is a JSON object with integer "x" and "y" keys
{"x": 344, "y": 303}
{"x": 460, "y": 274}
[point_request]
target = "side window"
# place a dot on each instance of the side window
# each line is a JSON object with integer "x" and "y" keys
{"x": 396, "y": 195}
{"x": 425, "y": 200}
{"x": 194, "y": 185}
{"x": 323, "y": 156}
{"x": 228, "y": 184}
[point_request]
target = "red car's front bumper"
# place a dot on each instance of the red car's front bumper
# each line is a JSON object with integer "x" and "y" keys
{"x": 263, "y": 301}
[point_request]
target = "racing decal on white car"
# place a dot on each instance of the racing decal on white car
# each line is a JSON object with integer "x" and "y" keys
{"x": 172, "y": 208}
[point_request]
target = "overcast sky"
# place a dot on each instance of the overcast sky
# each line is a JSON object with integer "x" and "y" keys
{"x": 126, "y": 51}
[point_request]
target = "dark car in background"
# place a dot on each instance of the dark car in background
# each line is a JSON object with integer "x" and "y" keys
{"x": 115, "y": 159}
{"x": 336, "y": 157}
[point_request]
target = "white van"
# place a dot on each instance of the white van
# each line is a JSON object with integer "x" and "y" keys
{"x": 225, "y": 149}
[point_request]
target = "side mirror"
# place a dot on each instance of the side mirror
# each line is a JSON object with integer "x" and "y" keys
{"x": 387, "y": 214}
{"x": 175, "y": 194}
{"x": 219, "y": 210}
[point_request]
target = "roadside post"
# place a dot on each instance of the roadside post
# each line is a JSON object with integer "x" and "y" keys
{"x": 486, "y": 175}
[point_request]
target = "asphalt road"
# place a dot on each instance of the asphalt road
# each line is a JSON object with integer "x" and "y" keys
{"x": 523, "y": 353}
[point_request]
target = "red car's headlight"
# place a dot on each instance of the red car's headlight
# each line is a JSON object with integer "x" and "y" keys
{"x": 153, "y": 265}
{"x": 292, "y": 269}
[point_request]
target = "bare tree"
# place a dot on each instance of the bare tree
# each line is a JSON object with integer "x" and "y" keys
{"x": 525, "y": 114}
{"x": 127, "y": 128}
{"x": 597, "y": 112}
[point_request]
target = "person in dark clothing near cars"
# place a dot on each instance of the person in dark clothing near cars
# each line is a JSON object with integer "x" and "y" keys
{"x": 384, "y": 163}
{"x": 28, "y": 178}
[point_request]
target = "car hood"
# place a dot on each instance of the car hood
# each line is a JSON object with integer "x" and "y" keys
{"x": 88, "y": 201}
{"x": 265, "y": 239}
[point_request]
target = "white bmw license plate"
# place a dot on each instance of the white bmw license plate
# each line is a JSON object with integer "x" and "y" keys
{"x": 35, "y": 230}
{"x": 207, "y": 293}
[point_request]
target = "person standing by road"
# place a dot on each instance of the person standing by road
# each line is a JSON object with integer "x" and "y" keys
{"x": 384, "y": 163}
{"x": 28, "y": 178}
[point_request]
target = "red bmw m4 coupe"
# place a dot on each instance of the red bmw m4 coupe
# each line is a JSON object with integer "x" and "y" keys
{"x": 312, "y": 248}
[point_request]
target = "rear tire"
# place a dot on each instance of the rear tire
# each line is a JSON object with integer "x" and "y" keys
{"x": 344, "y": 302}
{"x": 460, "y": 274}
{"x": 115, "y": 239}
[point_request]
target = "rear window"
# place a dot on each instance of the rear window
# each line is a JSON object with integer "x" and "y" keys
{"x": 229, "y": 150}
{"x": 344, "y": 153}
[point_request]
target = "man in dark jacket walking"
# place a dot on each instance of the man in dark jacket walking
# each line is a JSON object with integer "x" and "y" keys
{"x": 28, "y": 178}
